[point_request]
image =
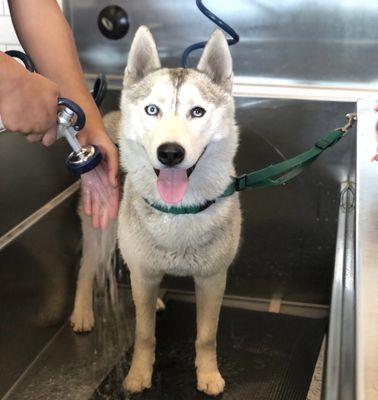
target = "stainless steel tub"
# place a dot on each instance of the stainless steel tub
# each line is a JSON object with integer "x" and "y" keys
{"x": 299, "y": 240}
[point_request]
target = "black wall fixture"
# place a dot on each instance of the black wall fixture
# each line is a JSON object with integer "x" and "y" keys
{"x": 113, "y": 22}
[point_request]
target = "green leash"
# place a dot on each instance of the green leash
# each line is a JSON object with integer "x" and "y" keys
{"x": 273, "y": 175}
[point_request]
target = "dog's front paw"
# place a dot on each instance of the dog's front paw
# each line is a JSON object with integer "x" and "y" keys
{"x": 82, "y": 320}
{"x": 137, "y": 381}
{"x": 211, "y": 383}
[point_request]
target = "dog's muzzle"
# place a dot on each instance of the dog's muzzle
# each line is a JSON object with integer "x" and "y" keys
{"x": 190, "y": 170}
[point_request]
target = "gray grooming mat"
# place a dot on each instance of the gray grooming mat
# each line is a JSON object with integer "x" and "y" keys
{"x": 262, "y": 356}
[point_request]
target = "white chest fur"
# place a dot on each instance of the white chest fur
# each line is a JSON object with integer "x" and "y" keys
{"x": 178, "y": 244}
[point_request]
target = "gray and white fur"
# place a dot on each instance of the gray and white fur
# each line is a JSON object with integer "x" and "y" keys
{"x": 154, "y": 243}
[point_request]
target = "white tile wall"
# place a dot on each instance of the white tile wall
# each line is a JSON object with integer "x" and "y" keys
{"x": 8, "y": 37}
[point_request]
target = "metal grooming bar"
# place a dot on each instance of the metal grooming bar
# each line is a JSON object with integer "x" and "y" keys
{"x": 366, "y": 253}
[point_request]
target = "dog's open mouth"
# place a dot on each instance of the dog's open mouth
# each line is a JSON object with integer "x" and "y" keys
{"x": 172, "y": 183}
{"x": 188, "y": 171}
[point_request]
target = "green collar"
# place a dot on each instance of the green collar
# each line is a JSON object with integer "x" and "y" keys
{"x": 181, "y": 210}
{"x": 273, "y": 175}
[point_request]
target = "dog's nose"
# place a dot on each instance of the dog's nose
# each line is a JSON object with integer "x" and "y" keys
{"x": 170, "y": 154}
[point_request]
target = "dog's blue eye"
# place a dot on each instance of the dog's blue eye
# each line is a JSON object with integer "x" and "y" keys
{"x": 151, "y": 109}
{"x": 197, "y": 112}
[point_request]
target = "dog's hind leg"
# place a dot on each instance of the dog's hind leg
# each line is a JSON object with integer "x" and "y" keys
{"x": 145, "y": 291}
{"x": 98, "y": 246}
{"x": 209, "y": 295}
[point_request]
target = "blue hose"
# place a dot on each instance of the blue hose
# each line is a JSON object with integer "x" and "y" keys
{"x": 217, "y": 21}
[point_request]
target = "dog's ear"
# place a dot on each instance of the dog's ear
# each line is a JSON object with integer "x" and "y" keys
{"x": 143, "y": 56}
{"x": 216, "y": 61}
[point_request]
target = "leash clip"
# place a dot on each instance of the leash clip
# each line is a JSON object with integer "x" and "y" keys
{"x": 352, "y": 118}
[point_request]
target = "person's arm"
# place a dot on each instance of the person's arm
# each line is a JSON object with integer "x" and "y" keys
{"x": 27, "y": 101}
{"x": 47, "y": 38}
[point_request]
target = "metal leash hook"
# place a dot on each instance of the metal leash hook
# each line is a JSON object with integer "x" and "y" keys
{"x": 352, "y": 118}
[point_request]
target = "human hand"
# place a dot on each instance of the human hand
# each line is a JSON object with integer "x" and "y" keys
{"x": 99, "y": 198}
{"x": 94, "y": 133}
{"x": 100, "y": 187}
{"x": 28, "y": 102}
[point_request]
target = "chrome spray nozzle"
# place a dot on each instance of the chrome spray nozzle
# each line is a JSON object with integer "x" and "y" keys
{"x": 70, "y": 120}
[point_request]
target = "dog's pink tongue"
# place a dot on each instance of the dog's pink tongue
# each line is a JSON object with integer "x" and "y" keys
{"x": 172, "y": 184}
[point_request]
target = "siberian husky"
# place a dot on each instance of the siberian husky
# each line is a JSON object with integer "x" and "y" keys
{"x": 178, "y": 139}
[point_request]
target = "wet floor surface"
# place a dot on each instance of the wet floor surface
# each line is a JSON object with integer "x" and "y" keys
{"x": 262, "y": 356}
{"x": 72, "y": 365}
